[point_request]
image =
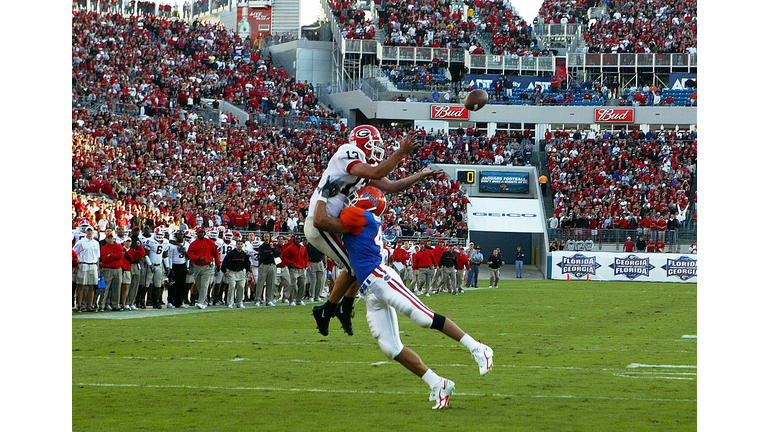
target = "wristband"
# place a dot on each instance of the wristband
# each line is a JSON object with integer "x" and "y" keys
{"x": 323, "y": 199}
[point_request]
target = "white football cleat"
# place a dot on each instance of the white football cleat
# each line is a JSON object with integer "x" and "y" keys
{"x": 441, "y": 393}
{"x": 484, "y": 357}
{"x": 201, "y": 306}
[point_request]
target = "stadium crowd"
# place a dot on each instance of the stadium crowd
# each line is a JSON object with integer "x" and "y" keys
{"x": 654, "y": 26}
{"x": 627, "y": 180}
{"x": 160, "y": 64}
{"x": 564, "y": 11}
{"x": 509, "y": 33}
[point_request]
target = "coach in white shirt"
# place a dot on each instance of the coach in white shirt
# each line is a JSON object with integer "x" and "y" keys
{"x": 88, "y": 253}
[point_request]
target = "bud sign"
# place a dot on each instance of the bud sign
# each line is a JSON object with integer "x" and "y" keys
{"x": 611, "y": 115}
{"x": 448, "y": 112}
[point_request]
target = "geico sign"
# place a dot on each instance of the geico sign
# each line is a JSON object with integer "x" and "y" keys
{"x": 511, "y": 215}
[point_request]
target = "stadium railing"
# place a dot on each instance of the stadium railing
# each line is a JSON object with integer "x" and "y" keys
{"x": 677, "y": 60}
{"x": 613, "y": 239}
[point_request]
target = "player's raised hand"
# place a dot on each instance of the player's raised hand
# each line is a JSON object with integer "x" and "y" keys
{"x": 429, "y": 171}
{"x": 409, "y": 143}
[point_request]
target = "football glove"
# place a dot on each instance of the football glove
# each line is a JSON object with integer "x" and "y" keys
{"x": 331, "y": 188}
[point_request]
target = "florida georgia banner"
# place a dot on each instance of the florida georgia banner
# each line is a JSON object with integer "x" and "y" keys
{"x": 614, "y": 266}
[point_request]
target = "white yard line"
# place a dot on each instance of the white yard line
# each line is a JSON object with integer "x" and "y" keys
{"x": 379, "y": 363}
{"x": 316, "y": 390}
{"x": 640, "y": 365}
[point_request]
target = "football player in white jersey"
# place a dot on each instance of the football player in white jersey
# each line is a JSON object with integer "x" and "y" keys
{"x": 189, "y": 235}
{"x": 226, "y": 244}
{"x": 145, "y": 278}
{"x": 79, "y": 232}
{"x": 177, "y": 254}
{"x": 252, "y": 249}
{"x": 213, "y": 234}
{"x": 386, "y": 254}
{"x": 157, "y": 254}
{"x": 349, "y": 167}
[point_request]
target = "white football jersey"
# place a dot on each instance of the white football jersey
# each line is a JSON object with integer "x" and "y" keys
{"x": 386, "y": 254}
{"x": 143, "y": 240}
{"x": 253, "y": 252}
{"x": 224, "y": 247}
{"x": 338, "y": 167}
{"x": 77, "y": 235}
{"x": 175, "y": 255}
{"x": 155, "y": 249}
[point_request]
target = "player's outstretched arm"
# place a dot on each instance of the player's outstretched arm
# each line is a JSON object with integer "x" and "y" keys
{"x": 394, "y": 186}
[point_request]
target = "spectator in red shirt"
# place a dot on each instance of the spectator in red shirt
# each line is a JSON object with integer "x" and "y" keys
{"x": 629, "y": 245}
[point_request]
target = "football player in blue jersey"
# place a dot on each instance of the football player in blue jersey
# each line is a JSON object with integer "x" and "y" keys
{"x": 384, "y": 291}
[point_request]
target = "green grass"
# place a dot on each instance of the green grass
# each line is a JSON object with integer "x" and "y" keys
{"x": 569, "y": 356}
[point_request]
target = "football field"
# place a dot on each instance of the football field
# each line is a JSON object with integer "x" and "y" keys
{"x": 581, "y": 356}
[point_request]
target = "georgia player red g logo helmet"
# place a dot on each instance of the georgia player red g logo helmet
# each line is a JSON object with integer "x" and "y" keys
{"x": 369, "y": 199}
{"x": 368, "y": 139}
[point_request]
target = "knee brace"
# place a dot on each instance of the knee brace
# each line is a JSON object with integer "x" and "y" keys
{"x": 438, "y": 322}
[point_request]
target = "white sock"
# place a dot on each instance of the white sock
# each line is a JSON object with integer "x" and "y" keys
{"x": 469, "y": 342}
{"x": 431, "y": 378}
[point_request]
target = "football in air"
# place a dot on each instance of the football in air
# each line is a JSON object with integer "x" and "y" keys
{"x": 476, "y": 99}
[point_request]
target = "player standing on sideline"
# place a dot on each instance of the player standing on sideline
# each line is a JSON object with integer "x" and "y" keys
{"x": 414, "y": 270}
{"x": 214, "y": 295}
{"x": 351, "y": 170}
{"x": 177, "y": 252}
{"x": 79, "y": 232}
{"x": 157, "y": 255}
{"x": 226, "y": 245}
{"x": 252, "y": 249}
{"x": 145, "y": 280}
{"x": 385, "y": 293}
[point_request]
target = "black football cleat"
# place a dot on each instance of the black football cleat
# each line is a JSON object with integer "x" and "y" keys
{"x": 322, "y": 318}
{"x": 345, "y": 316}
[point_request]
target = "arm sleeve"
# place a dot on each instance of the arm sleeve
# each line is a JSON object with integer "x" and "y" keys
{"x": 353, "y": 220}
{"x": 216, "y": 254}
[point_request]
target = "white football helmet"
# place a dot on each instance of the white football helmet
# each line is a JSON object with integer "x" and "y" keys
{"x": 213, "y": 234}
{"x": 160, "y": 233}
{"x": 228, "y": 235}
{"x": 83, "y": 224}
